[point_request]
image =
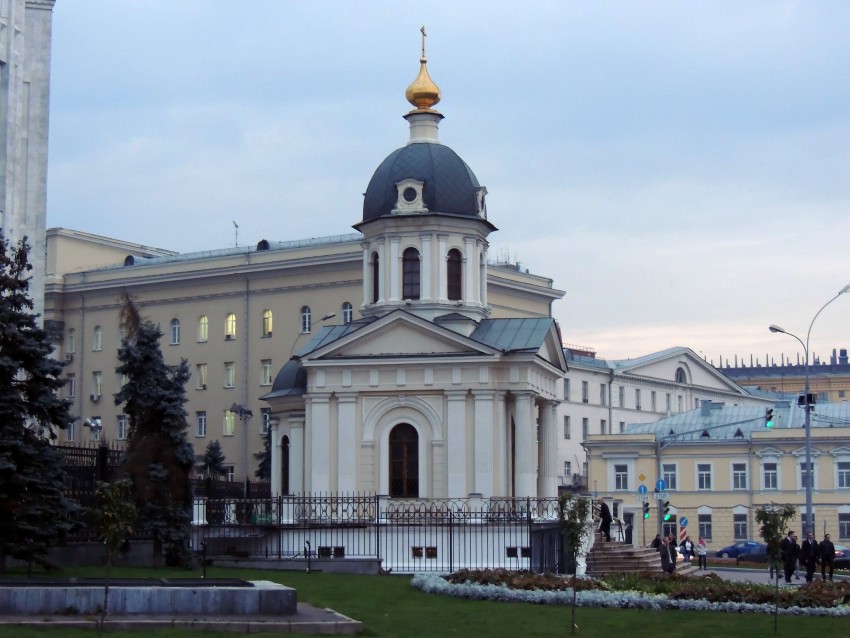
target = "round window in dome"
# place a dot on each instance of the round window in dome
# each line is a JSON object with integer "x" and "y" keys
{"x": 409, "y": 194}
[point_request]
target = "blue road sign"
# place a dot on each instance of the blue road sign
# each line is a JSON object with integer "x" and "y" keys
{"x": 683, "y": 522}
{"x": 641, "y": 489}
{"x": 661, "y": 485}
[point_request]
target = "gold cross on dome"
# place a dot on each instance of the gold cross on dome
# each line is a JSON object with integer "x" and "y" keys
{"x": 422, "y": 30}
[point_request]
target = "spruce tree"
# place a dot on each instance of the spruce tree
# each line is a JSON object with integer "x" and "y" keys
{"x": 212, "y": 463}
{"x": 264, "y": 458}
{"x": 159, "y": 457}
{"x": 34, "y": 511}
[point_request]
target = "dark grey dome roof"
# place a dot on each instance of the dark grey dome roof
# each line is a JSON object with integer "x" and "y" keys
{"x": 290, "y": 381}
{"x": 450, "y": 185}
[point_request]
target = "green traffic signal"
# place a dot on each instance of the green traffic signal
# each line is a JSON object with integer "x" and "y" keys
{"x": 768, "y": 418}
{"x": 646, "y": 510}
{"x": 667, "y": 514}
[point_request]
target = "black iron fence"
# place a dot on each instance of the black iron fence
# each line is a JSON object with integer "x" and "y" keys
{"x": 406, "y": 535}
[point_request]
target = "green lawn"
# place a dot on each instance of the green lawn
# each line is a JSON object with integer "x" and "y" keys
{"x": 388, "y": 606}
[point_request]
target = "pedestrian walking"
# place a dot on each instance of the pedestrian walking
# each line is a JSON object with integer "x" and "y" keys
{"x": 687, "y": 548}
{"x": 668, "y": 563}
{"x": 789, "y": 552}
{"x": 809, "y": 556}
{"x": 702, "y": 553}
{"x": 827, "y": 557}
{"x": 606, "y": 518}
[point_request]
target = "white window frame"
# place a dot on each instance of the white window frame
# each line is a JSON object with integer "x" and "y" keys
{"x": 585, "y": 392}
{"x": 629, "y": 464}
{"x": 567, "y": 427}
{"x": 230, "y": 326}
{"x": 97, "y": 383}
{"x": 266, "y": 372}
{"x": 71, "y": 341}
{"x": 203, "y": 329}
{"x": 306, "y": 320}
{"x": 347, "y": 313}
{"x": 175, "y": 332}
{"x": 201, "y": 423}
{"x": 203, "y": 376}
{"x": 666, "y": 474}
{"x": 800, "y": 463}
{"x": 97, "y": 339}
{"x": 229, "y": 425}
{"x": 842, "y": 475}
{"x": 268, "y": 323}
{"x": 121, "y": 429}
{"x": 229, "y": 374}
{"x": 699, "y": 473}
{"x": 770, "y": 460}
{"x": 71, "y": 385}
{"x": 621, "y": 477}
{"x": 734, "y": 475}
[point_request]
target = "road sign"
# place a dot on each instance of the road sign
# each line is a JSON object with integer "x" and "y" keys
{"x": 641, "y": 477}
{"x": 683, "y": 522}
{"x": 661, "y": 496}
{"x": 641, "y": 489}
{"x": 661, "y": 485}
{"x": 641, "y": 498}
{"x": 683, "y": 534}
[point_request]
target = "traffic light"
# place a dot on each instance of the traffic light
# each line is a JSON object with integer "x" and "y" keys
{"x": 768, "y": 417}
{"x": 667, "y": 514}
{"x": 645, "y": 509}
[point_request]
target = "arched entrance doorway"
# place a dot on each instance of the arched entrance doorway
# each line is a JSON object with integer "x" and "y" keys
{"x": 404, "y": 461}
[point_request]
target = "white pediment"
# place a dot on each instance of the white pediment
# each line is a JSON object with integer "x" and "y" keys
{"x": 801, "y": 451}
{"x": 663, "y": 365}
{"x": 769, "y": 452}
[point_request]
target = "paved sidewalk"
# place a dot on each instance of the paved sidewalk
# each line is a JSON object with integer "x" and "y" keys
{"x": 761, "y": 576}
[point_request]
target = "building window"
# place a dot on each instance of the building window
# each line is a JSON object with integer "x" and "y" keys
{"x": 201, "y": 370}
{"x": 71, "y": 341}
{"x": 229, "y": 473}
{"x": 679, "y": 403}
{"x": 703, "y": 476}
{"x": 653, "y": 405}
{"x": 230, "y": 326}
{"x": 585, "y": 427}
{"x": 376, "y": 277}
{"x": 97, "y": 339}
{"x": 704, "y": 524}
{"x": 175, "y": 332}
{"x": 229, "y": 374}
{"x": 771, "y": 478}
{"x": 668, "y": 471}
{"x": 347, "y": 313}
{"x": 668, "y": 528}
{"x": 201, "y": 421}
{"x": 203, "y": 328}
{"x": 603, "y": 426}
{"x": 667, "y": 403}
{"x": 454, "y": 272}
{"x": 306, "y": 319}
{"x": 637, "y": 398}
{"x": 739, "y": 476}
{"x": 568, "y": 469}
{"x": 603, "y": 394}
{"x": 71, "y": 386}
{"x": 622, "y": 426}
{"x": 567, "y": 433}
{"x": 621, "y": 477}
{"x": 585, "y": 392}
{"x": 229, "y": 423}
{"x": 843, "y": 469}
{"x": 804, "y": 476}
{"x": 566, "y": 389}
{"x": 410, "y": 274}
{"x": 404, "y": 461}
{"x": 739, "y": 523}
{"x": 71, "y": 431}
{"x": 97, "y": 383}
{"x": 680, "y": 376}
{"x": 266, "y": 372}
{"x": 805, "y": 523}
{"x": 844, "y": 526}
{"x": 842, "y": 394}
{"x": 122, "y": 427}
{"x": 265, "y": 415}
{"x": 267, "y": 323}
{"x": 622, "y": 397}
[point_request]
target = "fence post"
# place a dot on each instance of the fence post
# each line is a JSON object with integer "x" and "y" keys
{"x": 378, "y": 528}
{"x": 451, "y": 540}
{"x": 528, "y": 518}
{"x": 102, "y": 462}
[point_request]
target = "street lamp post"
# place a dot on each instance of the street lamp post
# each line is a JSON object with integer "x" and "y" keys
{"x": 809, "y": 527}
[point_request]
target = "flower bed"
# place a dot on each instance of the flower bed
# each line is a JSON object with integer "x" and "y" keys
{"x": 647, "y": 591}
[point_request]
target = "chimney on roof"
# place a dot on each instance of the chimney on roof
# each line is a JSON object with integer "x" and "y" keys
{"x": 842, "y": 356}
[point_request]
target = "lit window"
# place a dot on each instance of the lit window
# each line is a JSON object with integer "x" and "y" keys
{"x": 306, "y": 319}
{"x": 229, "y": 423}
{"x": 266, "y": 372}
{"x": 201, "y": 418}
{"x": 230, "y": 326}
{"x": 71, "y": 341}
{"x": 122, "y": 427}
{"x": 201, "y": 375}
{"x": 267, "y": 323}
{"x": 229, "y": 374}
{"x": 175, "y": 332}
{"x": 97, "y": 383}
{"x": 203, "y": 328}
{"x": 347, "y": 313}
{"x": 97, "y": 339}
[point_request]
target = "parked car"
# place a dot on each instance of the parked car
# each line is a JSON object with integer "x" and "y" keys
{"x": 754, "y": 555}
{"x": 842, "y": 556}
{"x": 742, "y": 547}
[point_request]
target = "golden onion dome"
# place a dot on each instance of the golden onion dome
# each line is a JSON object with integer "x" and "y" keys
{"x": 423, "y": 93}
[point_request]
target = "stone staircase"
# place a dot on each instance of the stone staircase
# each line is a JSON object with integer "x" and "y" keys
{"x": 617, "y": 557}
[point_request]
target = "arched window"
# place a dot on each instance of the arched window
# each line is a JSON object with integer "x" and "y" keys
{"x": 347, "y": 313}
{"x": 376, "y": 278}
{"x": 230, "y": 326}
{"x": 97, "y": 339}
{"x": 410, "y": 274}
{"x": 71, "y": 342}
{"x": 203, "y": 328}
{"x": 267, "y": 323}
{"x": 680, "y": 376}
{"x": 175, "y": 332}
{"x": 404, "y": 461}
{"x": 454, "y": 270}
{"x": 305, "y": 319}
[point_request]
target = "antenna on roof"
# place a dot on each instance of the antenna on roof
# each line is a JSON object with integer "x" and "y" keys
{"x": 236, "y": 231}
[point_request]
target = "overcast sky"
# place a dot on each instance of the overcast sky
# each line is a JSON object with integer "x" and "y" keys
{"x": 680, "y": 169}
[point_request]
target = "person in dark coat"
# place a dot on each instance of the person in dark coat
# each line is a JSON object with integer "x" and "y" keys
{"x": 789, "y": 552}
{"x": 656, "y": 543}
{"x": 668, "y": 565}
{"x": 827, "y": 556}
{"x": 606, "y": 518}
{"x": 809, "y": 553}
